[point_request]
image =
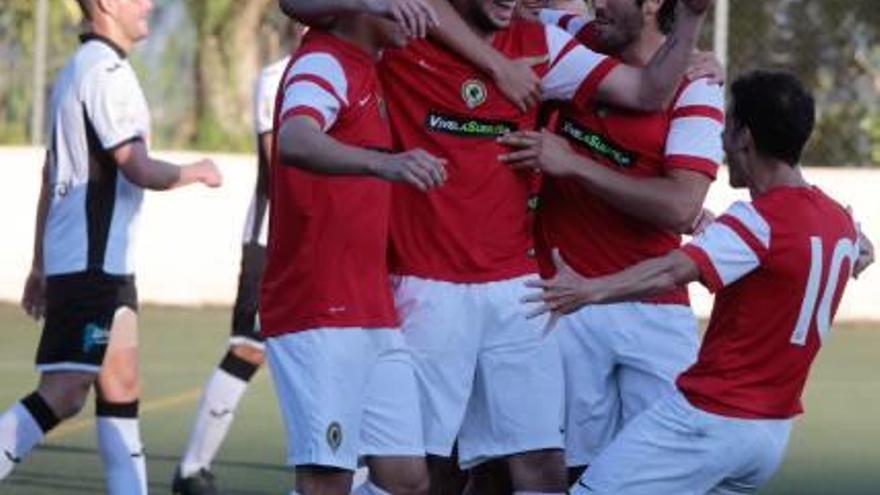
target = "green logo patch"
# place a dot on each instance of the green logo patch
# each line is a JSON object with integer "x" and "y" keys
{"x": 597, "y": 143}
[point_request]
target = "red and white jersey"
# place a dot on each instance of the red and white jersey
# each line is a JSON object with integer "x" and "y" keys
{"x": 328, "y": 235}
{"x": 475, "y": 228}
{"x": 779, "y": 266}
{"x": 594, "y": 237}
{"x": 581, "y": 27}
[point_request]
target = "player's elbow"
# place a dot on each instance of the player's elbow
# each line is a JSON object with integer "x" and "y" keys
{"x": 683, "y": 219}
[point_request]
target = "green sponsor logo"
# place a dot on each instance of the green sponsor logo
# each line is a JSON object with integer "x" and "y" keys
{"x": 467, "y": 126}
{"x": 597, "y": 143}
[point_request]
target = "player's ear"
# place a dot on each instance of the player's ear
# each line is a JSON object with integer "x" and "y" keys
{"x": 107, "y": 7}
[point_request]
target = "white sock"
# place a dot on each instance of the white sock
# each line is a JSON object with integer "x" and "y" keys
{"x": 213, "y": 418}
{"x": 368, "y": 488}
{"x": 119, "y": 442}
{"x": 19, "y": 434}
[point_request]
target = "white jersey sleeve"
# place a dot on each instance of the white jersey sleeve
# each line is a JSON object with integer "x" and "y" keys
{"x": 696, "y": 124}
{"x": 265, "y": 92}
{"x": 316, "y": 86}
{"x": 115, "y": 103}
{"x": 571, "y": 23}
{"x": 575, "y": 71}
{"x": 731, "y": 247}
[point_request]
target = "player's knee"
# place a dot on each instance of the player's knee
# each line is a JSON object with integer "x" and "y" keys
{"x": 407, "y": 482}
{"x": 120, "y": 385}
{"x": 66, "y": 395}
{"x": 400, "y": 476}
{"x": 542, "y": 470}
{"x": 250, "y": 354}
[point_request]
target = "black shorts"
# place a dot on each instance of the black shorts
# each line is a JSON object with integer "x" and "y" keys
{"x": 80, "y": 308}
{"x": 245, "y": 325}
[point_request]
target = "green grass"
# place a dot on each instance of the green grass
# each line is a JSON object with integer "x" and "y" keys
{"x": 835, "y": 448}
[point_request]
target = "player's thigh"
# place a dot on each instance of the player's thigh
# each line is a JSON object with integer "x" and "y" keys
{"x": 440, "y": 323}
{"x": 517, "y": 402}
{"x": 245, "y": 320}
{"x": 661, "y": 450}
{"x": 592, "y": 397}
{"x": 767, "y": 441}
{"x": 656, "y": 343}
{"x": 119, "y": 379}
{"x": 320, "y": 376}
{"x": 392, "y": 418}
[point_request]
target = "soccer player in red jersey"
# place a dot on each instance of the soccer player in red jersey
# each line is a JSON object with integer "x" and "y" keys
{"x": 643, "y": 181}
{"x": 489, "y": 377}
{"x": 343, "y": 375}
{"x": 778, "y": 265}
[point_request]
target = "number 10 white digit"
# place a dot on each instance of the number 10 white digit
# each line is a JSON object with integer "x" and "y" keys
{"x": 845, "y": 249}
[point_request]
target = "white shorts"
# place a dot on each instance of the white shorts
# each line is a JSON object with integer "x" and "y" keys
{"x": 619, "y": 359}
{"x": 489, "y": 376}
{"x": 346, "y": 393}
{"x": 675, "y": 448}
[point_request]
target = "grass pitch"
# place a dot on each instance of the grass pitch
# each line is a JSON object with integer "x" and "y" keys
{"x": 835, "y": 447}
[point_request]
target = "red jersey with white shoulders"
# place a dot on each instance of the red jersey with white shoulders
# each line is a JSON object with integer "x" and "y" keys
{"x": 328, "y": 235}
{"x": 595, "y": 237}
{"x": 778, "y": 266}
{"x": 475, "y": 228}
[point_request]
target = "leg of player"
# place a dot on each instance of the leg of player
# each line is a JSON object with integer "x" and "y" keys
{"x": 446, "y": 477}
{"x": 118, "y": 389}
{"x": 540, "y": 471}
{"x": 214, "y": 416}
{"x": 395, "y": 475}
{"x": 60, "y": 395}
{"x": 490, "y": 478}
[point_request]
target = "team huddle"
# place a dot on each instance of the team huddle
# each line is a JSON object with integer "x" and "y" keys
{"x": 463, "y": 261}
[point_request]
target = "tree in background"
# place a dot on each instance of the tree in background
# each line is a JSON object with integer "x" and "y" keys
{"x": 834, "y": 46}
{"x": 199, "y": 64}
{"x": 227, "y": 59}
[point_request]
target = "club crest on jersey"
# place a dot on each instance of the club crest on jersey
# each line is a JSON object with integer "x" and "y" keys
{"x": 474, "y": 93}
{"x": 334, "y": 435}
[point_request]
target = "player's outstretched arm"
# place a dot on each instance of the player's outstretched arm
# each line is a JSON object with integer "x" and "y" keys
{"x": 137, "y": 166}
{"x": 568, "y": 291}
{"x": 301, "y": 141}
{"x": 33, "y": 299}
{"x": 416, "y": 17}
{"x": 650, "y": 88}
{"x": 673, "y": 201}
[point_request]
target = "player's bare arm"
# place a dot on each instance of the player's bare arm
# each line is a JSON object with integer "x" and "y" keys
{"x": 568, "y": 291}
{"x": 650, "y": 88}
{"x": 674, "y": 201}
{"x": 318, "y": 152}
{"x": 33, "y": 299}
{"x": 706, "y": 65}
{"x": 139, "y": 168}
{"x": 416, "y": 17}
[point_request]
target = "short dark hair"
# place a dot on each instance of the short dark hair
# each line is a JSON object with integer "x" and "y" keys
{"x": 665, "y": 16}
{"x": 777, "y": 109}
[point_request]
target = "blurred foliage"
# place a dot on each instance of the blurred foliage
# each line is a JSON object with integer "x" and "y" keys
{"x": 198, "y": 65}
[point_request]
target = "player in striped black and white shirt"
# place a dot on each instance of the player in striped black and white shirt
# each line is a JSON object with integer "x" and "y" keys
{"x": 245, "y": 353}
{"x": 82, "y": 278}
